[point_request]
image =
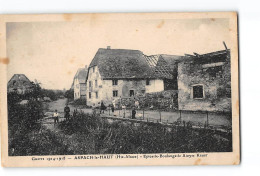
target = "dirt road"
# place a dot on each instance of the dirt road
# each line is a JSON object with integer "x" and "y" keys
{"x": 214, "y": 118}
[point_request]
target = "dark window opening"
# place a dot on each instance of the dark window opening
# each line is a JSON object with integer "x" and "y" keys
{"x": 114, "y": 82}
{"x": 198, "y": 91}
{"x": 89, "y": 95}
{"x": 115, "y": 93}
{"x": 90, "y": 84}
{"x": 96, "y": 94}
{"x": 96, "y": 83}
{"x": 132, "y": 93}
{"x": 147, "y": 82}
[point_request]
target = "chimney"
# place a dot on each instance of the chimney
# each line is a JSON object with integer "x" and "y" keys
{"x": 108, "y": 47}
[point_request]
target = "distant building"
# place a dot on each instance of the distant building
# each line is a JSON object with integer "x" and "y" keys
{"x": 19, "y": 83}
{"x": 79, "y": 83}
{"x": 204, "y": 82}
{"x": 121, "y": 73}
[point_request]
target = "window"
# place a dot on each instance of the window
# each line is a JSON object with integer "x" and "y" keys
{"x": 93, "y": 69}
{"x": 114, "y": 82}
{"x": 147, "y": 82}
{"x": 89, "y": 95}
{"x": 90, "y": 84}
{"x": 96, "y": 94}
{"x": 198, "y": 91}
{"x": 132, "y": 93}
{"x": 95, "y": 83}
{"x": 115, "y": 93}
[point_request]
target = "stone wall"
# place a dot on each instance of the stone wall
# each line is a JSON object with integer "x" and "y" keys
{"x": 216, "y": 88}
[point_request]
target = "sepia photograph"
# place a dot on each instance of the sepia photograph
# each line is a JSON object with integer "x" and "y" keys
{"x": 120, "y": 89}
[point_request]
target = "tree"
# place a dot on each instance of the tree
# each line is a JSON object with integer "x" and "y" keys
{"x": 69, "y": 94}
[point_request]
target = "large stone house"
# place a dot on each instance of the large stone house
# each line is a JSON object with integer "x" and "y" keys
{"x": 79, "y": 83}
{"x": 120, "y": 73}
{"x": 204, "y": 82}
{"x": 19, "y": 83}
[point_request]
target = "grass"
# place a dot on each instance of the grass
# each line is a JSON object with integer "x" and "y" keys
{"x": 94, "y": 135}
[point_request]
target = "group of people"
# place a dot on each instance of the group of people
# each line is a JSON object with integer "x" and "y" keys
{"x": 56, "y": 115}
{"x": 113, "y": 105}
{"x": 67, "y": 116}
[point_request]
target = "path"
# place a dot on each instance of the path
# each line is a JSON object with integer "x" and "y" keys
{"x": 170, "y": 117}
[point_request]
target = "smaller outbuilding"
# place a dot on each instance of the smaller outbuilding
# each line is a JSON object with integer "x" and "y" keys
{"x": 19, "y": 83}
{"x": 79, "y": 83}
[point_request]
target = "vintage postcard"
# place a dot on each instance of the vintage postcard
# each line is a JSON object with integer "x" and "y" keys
{"x": 119, "y": 89}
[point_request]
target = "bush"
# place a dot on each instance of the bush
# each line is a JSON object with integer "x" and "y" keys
{"x": 52, "y": 94}
{"x": 22, "y": 121}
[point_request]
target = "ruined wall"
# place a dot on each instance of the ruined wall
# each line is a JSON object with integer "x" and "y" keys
{"x": 216, "y": 88}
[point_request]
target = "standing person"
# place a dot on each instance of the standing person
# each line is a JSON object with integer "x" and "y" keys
{"x": 137, "y": 104}
{"x": 123, "y": 108}
{"x": 67, "y": 112}
{"x": 94, "y": 113}
{"x": 114, "y": 103}
{"x": 56, "y": 117}
{"x": 133, "y": 113}
{"x": 102, "y": 107}
{"x": 113, "y": 109}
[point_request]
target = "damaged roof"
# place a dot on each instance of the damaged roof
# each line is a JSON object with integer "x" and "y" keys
{"x": 217, "y": 56}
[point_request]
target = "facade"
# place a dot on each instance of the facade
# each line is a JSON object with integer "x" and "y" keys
{"x": 119, "y": 73}
{"x": 79, "y": 84}
{"x": 204, "y": 82}
{"x": 19, "y": 83}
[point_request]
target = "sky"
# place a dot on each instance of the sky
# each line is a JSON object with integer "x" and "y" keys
{"x": 52, "y": 52}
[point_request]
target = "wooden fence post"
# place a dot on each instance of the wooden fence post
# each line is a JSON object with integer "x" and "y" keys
{"x": 207, "y": 118}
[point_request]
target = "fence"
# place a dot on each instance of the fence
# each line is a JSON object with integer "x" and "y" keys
{"x": 195, "y": 118}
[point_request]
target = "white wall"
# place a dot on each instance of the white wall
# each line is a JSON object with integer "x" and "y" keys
{"x": 76, "y": 89}
{"x": 155, "y": 86}
{"x": 92, "y": 76}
